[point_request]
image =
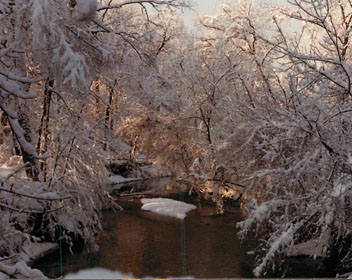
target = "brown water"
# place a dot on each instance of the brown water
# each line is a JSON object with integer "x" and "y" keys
{"x": 147, "y": 244}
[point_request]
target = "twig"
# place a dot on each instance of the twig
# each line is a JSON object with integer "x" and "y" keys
{"x": 7, "y": 258}
{"x": 127, "y": 182}
{"x": 16, "y": 171}
{"x": 33, "y": 196}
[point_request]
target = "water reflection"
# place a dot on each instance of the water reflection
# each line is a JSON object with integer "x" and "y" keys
{"x": 147, "y": 244}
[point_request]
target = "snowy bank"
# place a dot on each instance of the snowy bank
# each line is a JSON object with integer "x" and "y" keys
{"x": 167, "y": 207}
{"x": 35, "y": 251}
{"x": 31, "y": 252}
{"x": 20, "y": 270}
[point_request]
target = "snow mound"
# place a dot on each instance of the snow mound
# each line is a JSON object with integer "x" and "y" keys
{"x": 98, "y": 273}
{"x": 167, "y": 207}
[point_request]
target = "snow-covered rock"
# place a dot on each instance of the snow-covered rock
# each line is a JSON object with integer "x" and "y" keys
{"x": 167, "y": 207}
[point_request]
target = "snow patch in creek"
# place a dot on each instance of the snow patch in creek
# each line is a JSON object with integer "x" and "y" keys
{"x": 167, "y": 207}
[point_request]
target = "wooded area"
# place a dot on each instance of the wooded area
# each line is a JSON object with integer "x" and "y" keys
{"x": 243, "y": 102}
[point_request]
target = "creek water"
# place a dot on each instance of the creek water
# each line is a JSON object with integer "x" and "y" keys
{"x": 149, "y": 245}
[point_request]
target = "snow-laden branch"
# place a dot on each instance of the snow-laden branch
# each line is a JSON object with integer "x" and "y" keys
{"x": 73, "y": 64}
{"x": 7, "y": 258}
{"x": 284, "y": 239}
{"x": 14, "y": 209}
{"x": 337, "y": 114}
{"x": 51, "y": 196}
{"x": 25, "y": 145}
{"x": 4, "y": 52}
{"x": 7, "y": 110}
{"x": 13, "y": 89}
{"x": 306, "y": 59}
{"x": 102, "y": 25}
{"x": 154, "y": 3}
{"x": 13, "y": 77}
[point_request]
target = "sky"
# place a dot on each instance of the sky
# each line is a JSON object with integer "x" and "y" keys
{"x": 208, "y": 7}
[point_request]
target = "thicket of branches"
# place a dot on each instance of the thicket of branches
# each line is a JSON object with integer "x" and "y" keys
{"x": 245, "y": 105}
{"x": 60, "y": 73}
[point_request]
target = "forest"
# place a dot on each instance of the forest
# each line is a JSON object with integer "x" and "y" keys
{"x": 257, "y": 99}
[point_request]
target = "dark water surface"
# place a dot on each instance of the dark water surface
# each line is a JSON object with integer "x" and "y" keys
{"x": 147, "y": 244}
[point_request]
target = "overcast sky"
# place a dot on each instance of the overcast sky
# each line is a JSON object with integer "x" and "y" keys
{"x": 208, "y": 7}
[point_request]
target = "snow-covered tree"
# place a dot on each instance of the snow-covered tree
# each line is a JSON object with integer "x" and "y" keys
{"x": 191, "y": 99}
{"x": 51, "y": 53}
{"x": 300, "y": 194}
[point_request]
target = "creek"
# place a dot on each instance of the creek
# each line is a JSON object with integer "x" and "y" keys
{"x": 150, "y": 245}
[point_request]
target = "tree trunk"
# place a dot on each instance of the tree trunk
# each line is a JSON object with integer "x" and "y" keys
{"x": 42, "y": 145}
{"x": 108, "y": 118}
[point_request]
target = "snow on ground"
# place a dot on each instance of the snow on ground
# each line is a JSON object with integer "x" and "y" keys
{"x": 98, "y": 273}
{"x": 20, "y": 271}
{"x": 167, "y": 207}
